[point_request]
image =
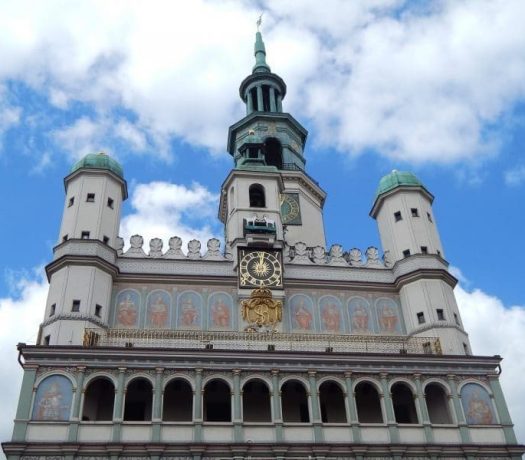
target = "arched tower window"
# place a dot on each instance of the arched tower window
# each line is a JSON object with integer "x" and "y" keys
{"x": 332, "y": 403}
{"x": 368, "y": 403}
{"x": 294, "y": 402}
{"x": 217, "y": 402}
{"x": 273, "y": 153}
{"x": 437, "y": 404}
{"x": 139, "y": 395}
{"x": 257, "y": 196}
{"x": 99, "y": 400}
{"x": 256, "y": 402}
{"x": 403, "y": 401}
{"x": 178, "y": 402}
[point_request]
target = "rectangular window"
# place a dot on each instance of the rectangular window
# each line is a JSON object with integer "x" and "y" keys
{"x": 438, "y": 253}
{"x": 440, "y": 314}
{"x": 406, "y": 252}
{"x": 110, "y": 203}
{"x": 465, "y": 348}
{"x": 456, "y": 319}
{"x": 414, "y": 212}
{"x": 71, "y": 202}
{"x": 64, "y": 238}
{"x": 98, "y": 310}
{"x": 421, "y": 318}
{"x": 105, "y": 240}
{"x": 84, "y": 235}
{"x": 424, "y": 250}
{"x": 90, "y": 198}
{"x": 52, "y": 309}
{"x": 429, "y": 217}
{"x": 397, "y": 216}
{"x": 427, "y": 348}
{"x": 47, "y": 340}
{"x": 75, "y": 305}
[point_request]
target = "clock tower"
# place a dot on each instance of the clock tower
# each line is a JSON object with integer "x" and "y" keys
{"x": 268, "y": 201}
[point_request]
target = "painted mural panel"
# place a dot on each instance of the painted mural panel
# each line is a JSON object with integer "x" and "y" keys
{"x": 361, "y": 316}
{"x": 158, "y": 309}
{"x": 301, "y": 313}
{"x": 189, "y": 310}
{"x": 331, "y": 314}
{"x": 388, "y": 316}
{"x": 220, "y": 311}
{"x": 127, "y": 309}
{"x": 53, "y": 399}
{"x": 477, "y": 405}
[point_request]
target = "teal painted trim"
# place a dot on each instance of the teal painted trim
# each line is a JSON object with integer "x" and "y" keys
{"x": 279, "y": 103}
{"x": 72, "y": 435}
{"x": 155, "y": 431}
{"x": 503, "y": 410}
{"x": 197, "y": 407}
{"x": 157, "y": 405}
{"x": 314, "y": 400}
{"x": 260, "y": 104}
{"x": 79, "y": 393}
{"x": 422, "y": 410}
{"x": 389, "y": 409}
{"x": 463, "y": 430}
{"x": 23, "y": 411}
{"x": 118, "y": 408}
{"x": 352, "y": 409}
{"x": 276, "y": 406}
{"x": 238, "y": 434}
{"x": 273, "y": 105}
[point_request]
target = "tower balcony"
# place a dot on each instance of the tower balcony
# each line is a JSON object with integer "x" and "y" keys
{"x": 261, "y": 341}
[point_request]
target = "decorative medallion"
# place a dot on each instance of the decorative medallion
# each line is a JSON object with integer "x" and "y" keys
{"x": 290, "y": 209}
{"x": 261, "y": 309}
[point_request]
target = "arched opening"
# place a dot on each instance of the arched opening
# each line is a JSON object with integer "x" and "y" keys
{"x": 257, "y": 196}
{"x": 273, "y": 153}
{"x": 217, "y": 402}
{"x": 437, "y": 404}
{"x": 332, "y": 401}
{"x": 294, "y": 402}
{"x": 368, "y": 403}
{"x": 99, "y": 399}
{"x": 256, "y": 402}
{"x": 266, "y": 98}
{"x": 178, "y": 402}
{"x": 403, "y": 402}
{"x": 139, "y": 395}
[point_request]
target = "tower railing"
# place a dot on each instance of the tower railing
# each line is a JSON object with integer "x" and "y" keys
{"x": 261, "y": 341}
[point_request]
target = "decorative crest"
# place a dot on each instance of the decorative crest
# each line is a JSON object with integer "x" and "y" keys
{"x": 259, "y": 21}
{"x": 261, "y": 309}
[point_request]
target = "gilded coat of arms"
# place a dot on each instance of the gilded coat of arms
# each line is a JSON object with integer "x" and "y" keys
{"x": 261, "y": 309}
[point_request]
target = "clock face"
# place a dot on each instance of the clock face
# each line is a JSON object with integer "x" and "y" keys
{"x": 290, "y": 210}
{"x": 260, "y": 267}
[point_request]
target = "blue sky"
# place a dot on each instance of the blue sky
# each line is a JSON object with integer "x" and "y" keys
{"x": 383, "y": 84}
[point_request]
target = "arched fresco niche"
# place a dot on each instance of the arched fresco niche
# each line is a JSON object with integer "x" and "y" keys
{"x": 388, "y": 316}
{"x": 158, "y": 309}
{"x": 220, "y": 311}
{"x": 189, "y": 310}
{"x": 127, "y": 306}
{"x": 301, "y": 309}
{"x": 477, "y": 405}
{"x": 53, "y": 399}
{"x": 361, "y": 316}
{"x": 331, "y": 314}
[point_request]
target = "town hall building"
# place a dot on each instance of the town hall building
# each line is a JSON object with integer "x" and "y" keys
{"x": 267, "y": 345}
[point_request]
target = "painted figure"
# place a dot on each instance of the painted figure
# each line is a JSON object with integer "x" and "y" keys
{"x": 302, "y": 316}
{"x": 477, "y": 405}
{"x": 331, "y": 317}
{"x": 158, "y": 312}
{"x": 127, "y": 312}
{"x": 220, "y": 313}
{"x": 53, "y": 399}
{"x": 189, "y": 313}
{"x": 388, "y": 319}
{"x": 360, "y": 318}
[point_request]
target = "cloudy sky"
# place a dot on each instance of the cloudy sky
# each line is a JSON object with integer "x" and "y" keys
{"x": 436, "y": 87}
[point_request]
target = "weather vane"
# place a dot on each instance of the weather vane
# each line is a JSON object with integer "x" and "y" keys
{"x": 259, "y": 22}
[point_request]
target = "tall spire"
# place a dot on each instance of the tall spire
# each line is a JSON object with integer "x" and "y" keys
{"x": 260, "y": 51}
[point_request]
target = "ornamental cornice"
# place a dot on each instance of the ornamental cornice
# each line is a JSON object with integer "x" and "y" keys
{"x": 81, "y": 260}
{"x": 75, "y": 317}
{"x": 80, "y": 247}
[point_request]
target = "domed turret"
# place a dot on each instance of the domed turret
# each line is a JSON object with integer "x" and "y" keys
{"x": 397, "y": 179}
{"x": 99, "y": 161}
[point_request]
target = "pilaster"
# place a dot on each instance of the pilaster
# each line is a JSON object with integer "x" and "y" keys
{"x": 77, "y": 398}
{"x": 389, "y": 410}
{"x": 314, "y": 399}
{"x": 237, "y": 401}
{"x": 503, "y": 410}
{"x": 463, "y": 429}
{"x": 276, "y": 406}
{"x": 157, "y": 405}
{"x": 197, "y": 407}
{"x": 23, "y": 411}
{"x": 422, "y": 409}
{"x": 118, "y": 414}
{"x": 351, "y": 408}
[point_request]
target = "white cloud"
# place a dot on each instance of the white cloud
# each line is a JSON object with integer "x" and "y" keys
{"x": 163, "y": 210}
{"x": 516, "y": 176}
{"x": 415, "y": 83}
{"x": 496, "y": 329}
{"x": 20, "y": 316}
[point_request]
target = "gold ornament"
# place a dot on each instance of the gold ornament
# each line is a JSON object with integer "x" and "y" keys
{"x": 261, "y": 309}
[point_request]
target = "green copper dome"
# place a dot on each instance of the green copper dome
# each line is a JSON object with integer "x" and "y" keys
{"x": 397, "y": 179}
{"x": 99, "y": 161}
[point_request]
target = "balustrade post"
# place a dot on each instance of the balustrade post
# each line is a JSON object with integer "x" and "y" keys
{"x": 118, "y": 409}
{"x": 276, "y": 399}
{"x": 389, "y": 410}
{"x": 351, "y": 408}
{"x": 463, "y": 429}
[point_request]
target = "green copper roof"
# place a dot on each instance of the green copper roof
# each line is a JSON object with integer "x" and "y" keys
{"x": 99, "y": 161}
{"x": 260, "y": 55}
{"x": 397, "y": 179}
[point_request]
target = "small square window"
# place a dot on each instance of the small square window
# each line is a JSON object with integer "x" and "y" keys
{"x": 397, "y": 216}
{"x": 47, "y": 340}
{"x": 65, "y": 238}
{"x": 438, "y": 253}
{"x": 98, "y": 310}
{"x": 429, "y": 217}
{"x": 465, "y": 349}
{"x": 424, "y": 250}
{"x": 105, "y": 240}
{"x": 71, "y": 202}
{"x": 90, "y": 198}
{"x": 75, "y": 306}
{"x": 406, "y": 252}
{"x": 421, "y": 318}
{"x": 110, "y": 203}
{"x": 52, "y": 309}
{"x": 456, "y": 319}
{"x": 84, "y": 235}
{"x": 440, "y": 314}
{"x": 414, "y": 212}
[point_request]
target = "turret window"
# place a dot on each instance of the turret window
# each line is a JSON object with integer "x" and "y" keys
{"x": 421, "y": 318}
{"x": 440, "y": 314}
{"x": 415, "y": 212}
{"x": 105, "y": 239}
{"x": 71, "y": 202}
{"x": 52, "y": 309}
{"x": 424, "y": 250}
{"x": 406, "y": 252}
{"x": 397, "y": 216}
{"x": 456, "y": 319}
{"x": 429, "y": 217}
{"x": 110, "y": 203}
{"x": 65, "y": 238}
{"x": 257, "y": 196}
{"x": 84, "y": 235}
{"x": 75, "y": 306}
{"x": 90, "y": 198}
{"x": 98, "y": 310}
{"x": 273, "y": 153}
{"x": 47, "y": 340}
